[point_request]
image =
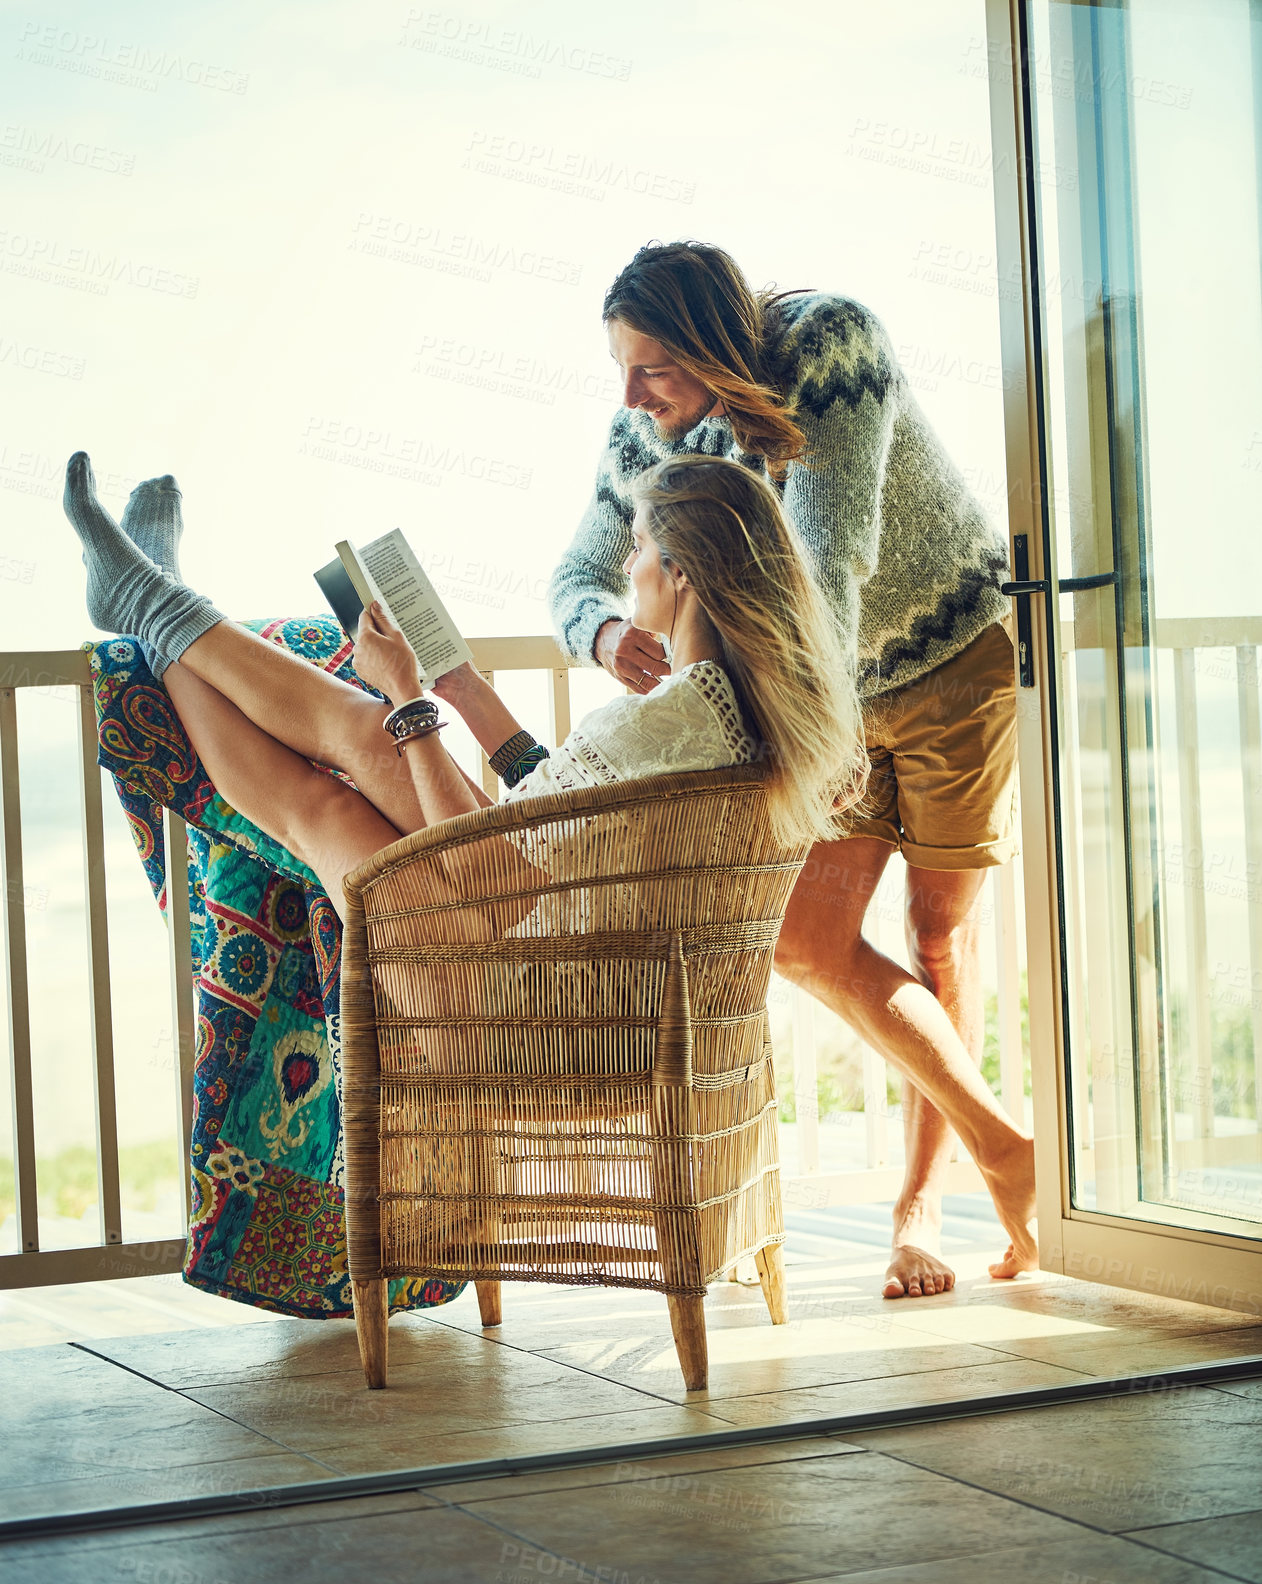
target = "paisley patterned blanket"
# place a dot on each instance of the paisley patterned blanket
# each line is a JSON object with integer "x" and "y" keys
{"x": 267, "y": 1223}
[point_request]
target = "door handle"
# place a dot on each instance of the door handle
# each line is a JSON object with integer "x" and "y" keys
{"x": 1023, "y": 585}
{"x": 1021, "y": 589}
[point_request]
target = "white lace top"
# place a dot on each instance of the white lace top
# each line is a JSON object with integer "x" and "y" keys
{"x": 690, "y": 721}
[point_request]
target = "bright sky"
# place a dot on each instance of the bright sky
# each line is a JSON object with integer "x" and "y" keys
{"x": 270, "y": 249}
{"x": 254, "y": 335}
{"x": 339, "y": 269}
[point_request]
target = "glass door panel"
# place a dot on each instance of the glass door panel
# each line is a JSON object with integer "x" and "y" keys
{"x": 1145, "y": 118}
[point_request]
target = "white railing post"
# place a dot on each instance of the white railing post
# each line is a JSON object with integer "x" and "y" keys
{"x": 1247, "y": 697}
{"x": 559, "y": 703}
{"x": 180, "y": 958}
{"x": 876, "y": 1107}
{"x": 805, "y": 1081}
{"x": 1197, "y": 952}
{"x": 17, "y": 983}
{"x": 99, "y": 998}
{"x": 1008, "y": 970}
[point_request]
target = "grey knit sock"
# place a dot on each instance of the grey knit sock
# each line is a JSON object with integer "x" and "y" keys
{"x": 152, "y": 521}
{"x": 127, "y": 592}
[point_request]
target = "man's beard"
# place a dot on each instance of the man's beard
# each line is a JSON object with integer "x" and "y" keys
{"x": 675, "y": 426}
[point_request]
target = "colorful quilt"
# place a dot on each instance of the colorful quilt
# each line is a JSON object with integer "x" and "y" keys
{"x": 267, "y": 1219}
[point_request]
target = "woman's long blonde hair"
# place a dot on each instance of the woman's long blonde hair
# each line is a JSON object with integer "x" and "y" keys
{"x": 722, "y": 526}
{"x": 695, "y": 300}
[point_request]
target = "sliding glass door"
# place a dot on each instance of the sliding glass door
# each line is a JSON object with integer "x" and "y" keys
{"x": 1130, "y": 238}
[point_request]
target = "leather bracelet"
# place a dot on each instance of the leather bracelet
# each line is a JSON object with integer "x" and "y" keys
{"x": 427, "y": 730}
{"x": 403, "y": 716}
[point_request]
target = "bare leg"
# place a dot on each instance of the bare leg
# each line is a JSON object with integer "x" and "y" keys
{"x": 319, "y": 819}
{"x": 822, "y": 948}
{"x": 942, "y": 942}
{"x": 317, "y": 715}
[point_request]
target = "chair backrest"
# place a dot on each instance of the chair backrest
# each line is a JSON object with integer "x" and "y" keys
{"x": 521, "y": 955}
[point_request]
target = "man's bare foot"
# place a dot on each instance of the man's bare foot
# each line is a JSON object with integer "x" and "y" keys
{"x": 1011, "y": 1185}
{"x": 1012, "y": 1264}
{"x": 916, "y": 1270}
{"x": 915, "y": 1273}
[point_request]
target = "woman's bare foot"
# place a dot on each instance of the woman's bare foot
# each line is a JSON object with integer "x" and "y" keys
{"x": 915, "y": 1273}
{"x": 1011, "y": 1185}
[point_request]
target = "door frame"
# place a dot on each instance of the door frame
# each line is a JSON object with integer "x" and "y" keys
{"x": 1203, "y": 1267}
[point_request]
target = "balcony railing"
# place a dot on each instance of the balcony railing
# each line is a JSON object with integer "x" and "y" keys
{"x": 834, "y": 1153}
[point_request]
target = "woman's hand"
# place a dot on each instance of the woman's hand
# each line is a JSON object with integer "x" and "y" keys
{"x": 456, "y": 684}
{"x": 384, "y": 658}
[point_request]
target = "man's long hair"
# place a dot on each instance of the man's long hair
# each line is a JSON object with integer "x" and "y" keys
{"x": 694, "y": 299}
{"x": 723, "y": 527}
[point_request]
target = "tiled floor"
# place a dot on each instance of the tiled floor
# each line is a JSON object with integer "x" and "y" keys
{"x": 1161, "y": 1486}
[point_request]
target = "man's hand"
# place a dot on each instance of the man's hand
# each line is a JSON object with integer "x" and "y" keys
{"x": 384, "y": 658}
{"x": 631, "y": 656}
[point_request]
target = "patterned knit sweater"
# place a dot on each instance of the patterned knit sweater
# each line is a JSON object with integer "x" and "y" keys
{"x": 907, "y": 557}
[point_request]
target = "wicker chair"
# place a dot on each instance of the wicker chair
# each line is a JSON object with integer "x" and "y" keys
{"x": 556, "y": 1057}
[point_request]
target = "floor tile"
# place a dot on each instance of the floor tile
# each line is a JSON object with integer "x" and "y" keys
{"x": 1120, "y": 1464}
{"x": 1090, "y": 1559}
{"x": 439, "y": 1545}
{"x": 72, "y": 1416}
{"x": 116, "y": 1483}
{"x": 1232, "y": 1543}
{"x": 1252, "y": 1389}
{"x": 670, "y": 1466}
{"x": 250, "y": 1518}
{"x": 747, "y": 1360}
{"x": 896, "y": 1391}
{"x": 537, "y": 1317}
{"x": 423, "y": 1445}
{"x": 1088, "y": 1304}
{"x": 1142, "y": 1353}
{"x": 795, "y": 1520}
{"x": 77, "y": 1311}
{"x": 315, "y": 1411}
{"x": 286, "y": 1350}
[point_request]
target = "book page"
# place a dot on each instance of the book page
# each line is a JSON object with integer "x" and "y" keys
{"x": 412, "y": 600}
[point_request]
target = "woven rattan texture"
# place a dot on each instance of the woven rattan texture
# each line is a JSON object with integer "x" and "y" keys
{"x": 556, "y": 1050}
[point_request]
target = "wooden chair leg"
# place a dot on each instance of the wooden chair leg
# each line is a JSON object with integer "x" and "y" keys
{"x": 687, "y": 1321}
{"x": 489, "y": 1302}
{"x": 372, "y": 1315}
{"x": 770, "y": 1262}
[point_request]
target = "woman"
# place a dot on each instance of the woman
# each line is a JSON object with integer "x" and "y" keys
{"x": 756, "y": 673}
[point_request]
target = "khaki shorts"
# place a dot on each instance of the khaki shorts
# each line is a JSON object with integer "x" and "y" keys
{"x": 943, "y": 750}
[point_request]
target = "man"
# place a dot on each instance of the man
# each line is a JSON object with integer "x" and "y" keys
{"x": 806, "y": 385}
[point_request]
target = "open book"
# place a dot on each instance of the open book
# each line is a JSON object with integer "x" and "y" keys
{"x": 387, "y": 570}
